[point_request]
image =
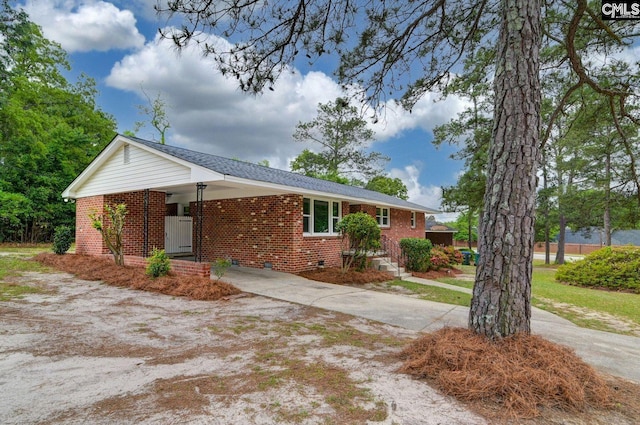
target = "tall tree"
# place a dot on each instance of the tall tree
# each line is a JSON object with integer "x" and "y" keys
{"x": 156, "y": 111}
{"x": 411, "y": 47}
{"x": 49, "y": 129}
{"x": 501, "y": 301}
{"x": 343, "y": 136}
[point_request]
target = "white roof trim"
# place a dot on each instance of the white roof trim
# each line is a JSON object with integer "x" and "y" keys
{"x": 198, "y": 173}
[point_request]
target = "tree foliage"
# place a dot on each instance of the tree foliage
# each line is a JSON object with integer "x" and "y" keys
{"x": 110, "y": 224}
{"x": 49, "y": 129}
{"x": 156, "y": 112}
{"x": 392, "y": 186}
{"x": 342, "y": 136}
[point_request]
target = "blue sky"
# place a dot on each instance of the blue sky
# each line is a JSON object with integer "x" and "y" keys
{"x": 117, "y": 44}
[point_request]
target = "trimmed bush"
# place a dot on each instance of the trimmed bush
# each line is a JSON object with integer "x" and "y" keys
{"x": 616, "y": 268}
{"x": 62, "y": 239}
{"x": 362, "y": 234}
{"x": 455, "y": 256}
{"x": 159, "y": 263}
{"x": 417, "y": 251}
{"x": 438, "y": 258}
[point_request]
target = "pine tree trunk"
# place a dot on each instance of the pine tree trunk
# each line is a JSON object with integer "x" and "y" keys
{"x": 561, "y": 239}
{"x": 501, "y": 302}
{"x": 607, "y": 200}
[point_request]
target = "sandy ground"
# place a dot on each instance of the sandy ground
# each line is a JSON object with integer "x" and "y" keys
{"x": 84, "y": 352}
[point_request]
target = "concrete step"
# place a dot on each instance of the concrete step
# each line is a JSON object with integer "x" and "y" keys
{"x": 386, "y": 265}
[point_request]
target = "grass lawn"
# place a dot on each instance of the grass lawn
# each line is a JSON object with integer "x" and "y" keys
{"x": 618, "y": 304}
{"x": 570, "y": 302}
{"x": 27, "y": 249}
{"x": 11, "y": 266}
{"x": 434, "y": 293}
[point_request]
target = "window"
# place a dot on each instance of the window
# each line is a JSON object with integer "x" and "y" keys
{"x": 320, "y": 216}
{"x": 413, "y": 219}
{"x": 306, "y": 214}
{"x": 382, "y": 216}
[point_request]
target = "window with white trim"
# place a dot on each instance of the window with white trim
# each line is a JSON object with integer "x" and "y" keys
{"x": 320, "y": 216}
{"x": 382, "y": 216}
{"x": 413, "y": 219}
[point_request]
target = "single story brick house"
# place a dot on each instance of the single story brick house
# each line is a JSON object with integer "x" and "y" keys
{"x": 210, "y": 207}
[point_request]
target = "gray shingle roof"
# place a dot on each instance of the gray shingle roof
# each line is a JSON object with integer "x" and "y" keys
{"x": 249, "y": 171}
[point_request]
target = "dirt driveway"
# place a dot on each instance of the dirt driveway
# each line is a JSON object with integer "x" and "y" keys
{"x": 85, "y": 352}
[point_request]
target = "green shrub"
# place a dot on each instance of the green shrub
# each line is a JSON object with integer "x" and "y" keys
{"x": 62, "y": 239}
{"x": 455, "y": 256}
{"x": 159, "y": 263}
{"x": 363, "y": 235}
{"x": 417, "y": 251}
{"x": 220, "y": 267}
{"x": 616, "y": 268}
{"x": 438, "y": 258}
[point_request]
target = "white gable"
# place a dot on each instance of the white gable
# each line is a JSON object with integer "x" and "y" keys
{"x": 134, "y": 170}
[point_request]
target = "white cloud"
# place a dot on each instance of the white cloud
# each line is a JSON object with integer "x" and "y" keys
{"x": 429, "y": 196}
{"x": 81, "y": 26}
{"x": 209, "y": 113}
{"x": 427, "y": 113}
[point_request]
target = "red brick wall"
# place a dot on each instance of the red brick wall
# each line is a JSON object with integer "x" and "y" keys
{"x": 179, "y": 267}
{"x": 315, "y": 249}
{"x": 171, "y": 209}
{"x": 400, "y": 225}
{"x": 251, "y": 230}
{"x": 88, "y": 239}
{"x": 399, "y": 222}
{"x": 133, "y": 234}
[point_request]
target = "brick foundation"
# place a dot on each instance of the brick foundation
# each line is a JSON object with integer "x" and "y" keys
{"x": 179, "y": 267}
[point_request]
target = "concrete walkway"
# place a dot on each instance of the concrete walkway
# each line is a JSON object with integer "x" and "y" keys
{"x": 615, "y": 354}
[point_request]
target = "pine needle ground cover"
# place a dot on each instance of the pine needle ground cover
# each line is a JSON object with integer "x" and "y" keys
{"x": 94, "y": 268}
{"x": 518, "y": 377}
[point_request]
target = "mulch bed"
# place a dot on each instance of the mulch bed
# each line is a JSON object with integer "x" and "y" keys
{"x": 350, "y": 277}
{"x": 521, "y": 374}
{"x": 438, "y": 274}
{"x": 96, "y": 268}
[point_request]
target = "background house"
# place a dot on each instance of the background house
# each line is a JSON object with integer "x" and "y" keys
{"x": 438, "y": 233}
{"x": 188, "y": 202}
